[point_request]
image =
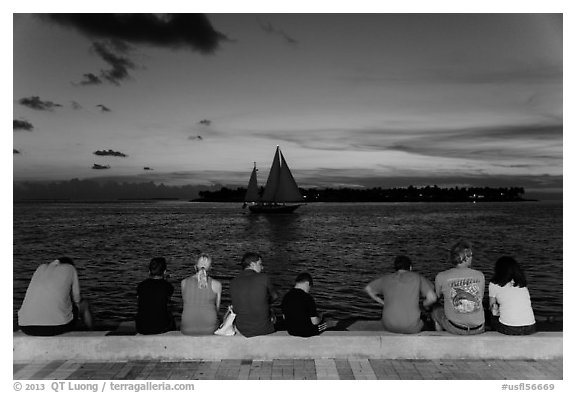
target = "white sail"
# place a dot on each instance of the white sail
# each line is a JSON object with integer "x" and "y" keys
{"x": 252, "y": 191}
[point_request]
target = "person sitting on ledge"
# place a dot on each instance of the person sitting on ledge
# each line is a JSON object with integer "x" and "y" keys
{"x": 299, "y": 309}
{"x": 154, "y": 293}
{"x": 201, "y": 296}
{"x": 401, "y": 293}
{"x": 48, "y": 308}
{"x": 252, "y": 294}
{"x": 510, "y": 300}
{"x": 462, "y": 289}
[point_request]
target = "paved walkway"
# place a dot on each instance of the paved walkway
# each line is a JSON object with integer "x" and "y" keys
{"x": 282, "y": 369}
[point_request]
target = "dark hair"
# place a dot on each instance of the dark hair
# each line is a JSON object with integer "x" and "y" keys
{"x": 460, "y": 251}
{"x": 402, "y": 262}
{"x": 506, "y": 270}
{"x": 248, "y": 258}
{"x": 157, "y": 266}
{"x": 66, "y": 260}
{"x": 304, "y": 277}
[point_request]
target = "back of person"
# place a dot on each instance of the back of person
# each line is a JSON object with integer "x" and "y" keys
{"x": 514, "y": 304}
{"x": 401, "y": 292}
{"x": 298, "y": 307}
{"x": 199, "y": 313}
{"x": 463, "y": 291}
{"x": 250, "y": 293}
{"x": 510, "y": 299}
{"x": 153, "y": 314}
{"x": 47, "y": 301}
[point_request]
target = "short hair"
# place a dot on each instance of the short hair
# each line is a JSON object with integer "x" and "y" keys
{"x": 157, "y": 266}
{"x": 506, "y": 270}
{"x": 249, "y": 258}
{"x": 66, "y": 260}
{"x": 304, "y": 277}
{"x": 460, "y": 251}
{"x": 402, "y": 262}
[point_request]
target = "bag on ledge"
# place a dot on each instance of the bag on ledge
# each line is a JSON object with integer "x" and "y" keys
{"x": 227, "y": 327}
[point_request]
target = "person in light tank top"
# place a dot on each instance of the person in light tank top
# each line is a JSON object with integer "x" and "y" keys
{"x": 510, "y": 299}
{"x": 201, "y": 295}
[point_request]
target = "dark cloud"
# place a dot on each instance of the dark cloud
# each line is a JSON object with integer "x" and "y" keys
{"x": 195, "y": 138}
{"x": 14, "y": 151}
{"x": 34, "y": 102}
{"x": 147, "y": 168}
{"x": 104, "y": 108}
{"x": 109, "y": 152}
{"x": 205, "y": 122}
{"x": 98, "y": 166}
{"x": 75, "y": 105}
{"x": 119, "y": 63}
{"x": 90, "y": 79}
{"x": 268, "y": 28}
{"x": 22, "y": 125}
{"x": 193, "y": 31}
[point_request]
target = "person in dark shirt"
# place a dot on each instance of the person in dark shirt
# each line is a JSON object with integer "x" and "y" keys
{"x": 252, "y": 294}
{"x": 299, "y": 309}
{"x": 154, "y": 293}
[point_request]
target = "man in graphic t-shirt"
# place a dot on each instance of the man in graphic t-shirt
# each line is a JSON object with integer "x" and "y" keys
{"x": 462, "y": 289}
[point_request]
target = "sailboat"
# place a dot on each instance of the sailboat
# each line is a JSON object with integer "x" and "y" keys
{"x": 281, "y": 194}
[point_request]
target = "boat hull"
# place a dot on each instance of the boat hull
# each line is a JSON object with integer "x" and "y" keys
{"x": 273, "y": 209}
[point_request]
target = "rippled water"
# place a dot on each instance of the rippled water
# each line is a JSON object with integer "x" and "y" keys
{"x": 344, "y": 246}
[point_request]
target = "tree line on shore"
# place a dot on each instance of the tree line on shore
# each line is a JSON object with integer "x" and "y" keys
{"x": 379, "y": 194}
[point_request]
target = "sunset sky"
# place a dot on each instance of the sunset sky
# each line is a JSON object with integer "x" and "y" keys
{"x": 352, "y": 99}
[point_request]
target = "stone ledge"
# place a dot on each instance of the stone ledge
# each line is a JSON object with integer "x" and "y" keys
{"x": 374, "y": 345}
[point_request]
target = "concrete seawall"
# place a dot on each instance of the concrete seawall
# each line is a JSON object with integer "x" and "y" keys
{"x": 375, "y": 345}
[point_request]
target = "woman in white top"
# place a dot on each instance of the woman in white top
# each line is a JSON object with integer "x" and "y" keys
{"x": 510, "y": 300}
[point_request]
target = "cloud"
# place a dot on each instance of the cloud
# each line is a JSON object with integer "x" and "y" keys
{"x": 23, "y": 125}
{"x": 195, "y": 138}
{"x": 192, "y": 31}
{"x": 270, "y": 29}
{"x": 498, "y": 142}
{"x": 90, "y": 79}
{"x": 147, "y": 168}
{"x": 14, "y": 151}
{"x": 34, "y": 102}
{"x": 458, "y": 75}
{"x": 98, "y": 166}
{"x": 109, "y": 152}
{"x": 112, "y": 53}
{"x": 75, "y": 105}
{"x": 104, "y": 108}
{"x": 205, "y": 122}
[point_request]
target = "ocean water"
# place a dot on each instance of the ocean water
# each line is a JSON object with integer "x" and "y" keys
{"x": 343, "y": 246}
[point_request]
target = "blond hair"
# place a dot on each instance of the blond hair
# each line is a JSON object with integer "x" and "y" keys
{"x": 202, "y": 265}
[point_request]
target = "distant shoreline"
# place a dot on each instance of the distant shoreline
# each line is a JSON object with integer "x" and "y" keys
{"x": 105, "y": 201}
{"x": 313, "y": 195}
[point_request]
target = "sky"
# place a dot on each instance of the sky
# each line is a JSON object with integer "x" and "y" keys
{"x": 357, "y": 100}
